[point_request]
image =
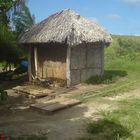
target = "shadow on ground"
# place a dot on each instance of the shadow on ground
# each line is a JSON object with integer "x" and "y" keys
{"x": 119, "y": 73}
{"x": 13, "y": 83}
{"x": 109, "y": 76}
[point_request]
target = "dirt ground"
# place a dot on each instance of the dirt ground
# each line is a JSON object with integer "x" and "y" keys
{"x": 70, "y": 124}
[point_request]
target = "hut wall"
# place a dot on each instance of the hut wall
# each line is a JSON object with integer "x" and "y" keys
{"x": 52, "y": 62}
{"x": 86, "y": 61}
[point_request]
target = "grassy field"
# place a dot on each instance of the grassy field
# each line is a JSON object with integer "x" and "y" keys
{"x": 122, "y": 61}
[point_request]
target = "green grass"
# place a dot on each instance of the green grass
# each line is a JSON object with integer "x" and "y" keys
{"x": 111, "y": 90}
{"x": 109, "y": 76}
{"x": 120, "y": 124}
{"x": 2, "y": 64}
{"x": 123, "y": 123}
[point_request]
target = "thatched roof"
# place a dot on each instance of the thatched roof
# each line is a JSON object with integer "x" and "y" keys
{"x": 66, "y": 27}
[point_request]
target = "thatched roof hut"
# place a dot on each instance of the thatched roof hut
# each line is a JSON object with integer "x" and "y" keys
{"x": 64, "y": 45}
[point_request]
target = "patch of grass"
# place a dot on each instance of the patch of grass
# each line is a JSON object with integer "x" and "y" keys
{"x": 120, "y": 124}
{"x": 110, "y": 76}
{"x": 108, "y": 129}
{"x": 115, "y": 89}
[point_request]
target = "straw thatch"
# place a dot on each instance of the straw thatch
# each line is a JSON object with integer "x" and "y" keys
{"x": 66, "y": 27}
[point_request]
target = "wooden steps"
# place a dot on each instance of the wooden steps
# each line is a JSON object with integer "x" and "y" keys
{"x": 52, "y": 107}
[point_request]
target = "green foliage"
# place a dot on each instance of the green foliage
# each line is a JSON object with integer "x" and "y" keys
{"x": 109, "y": 76}
{"x": 8, "y": 8}
{"x": 8, "y": 46}
{"x": 11, "y": 9}
{"x": 23, "y": 21}
{"x": 5, "y": 6}
{"x": 125, "y": 47}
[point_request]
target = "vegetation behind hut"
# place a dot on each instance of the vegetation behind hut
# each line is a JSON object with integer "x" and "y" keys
{"x": 12, "y": 14}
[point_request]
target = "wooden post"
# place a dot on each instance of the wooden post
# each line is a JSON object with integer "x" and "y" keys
{"x": 102, "y": 59}
{"x": 35, "y": 57}
{"x": 68, "y": 65}
{"x": 29, "y": 64}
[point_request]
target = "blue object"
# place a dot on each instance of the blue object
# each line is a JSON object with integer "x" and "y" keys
{"x": 24, "y": 63}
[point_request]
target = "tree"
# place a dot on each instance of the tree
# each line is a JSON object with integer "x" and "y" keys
{"x": 9, "y": 50}
{"x": 4, "y": 8}
{"x": 9, "y": 8}
{"x": 23, "y": 21}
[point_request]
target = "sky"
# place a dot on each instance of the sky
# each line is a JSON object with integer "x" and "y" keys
{"x": 117, "y": 16}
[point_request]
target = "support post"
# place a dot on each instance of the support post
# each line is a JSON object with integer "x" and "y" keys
{"x": 35, "y": 57}
{"x": 29, "y": 64}
{"x": 102, "y": 63}
{"x": 68, "y": 66}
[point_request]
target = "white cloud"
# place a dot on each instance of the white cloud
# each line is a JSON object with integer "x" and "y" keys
{"x": 113, "y": 17}
{"x": 132, "y": 2}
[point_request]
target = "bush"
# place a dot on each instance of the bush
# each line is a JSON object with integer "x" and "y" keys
{"x": 9, "y": 50}
{"x": 123, "y": 47}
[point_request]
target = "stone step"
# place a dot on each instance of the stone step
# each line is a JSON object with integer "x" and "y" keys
{"x": 52, "y": 107}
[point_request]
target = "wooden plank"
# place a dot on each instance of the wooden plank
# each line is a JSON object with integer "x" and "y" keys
{"x": 102, "y": 63}
{"x": 29, "y": 64}
{"x": 38, "y": 107}
{"x": 68, "y": 65}
{"x": 36, "y": 59}
{"x": 54, "y": 107}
